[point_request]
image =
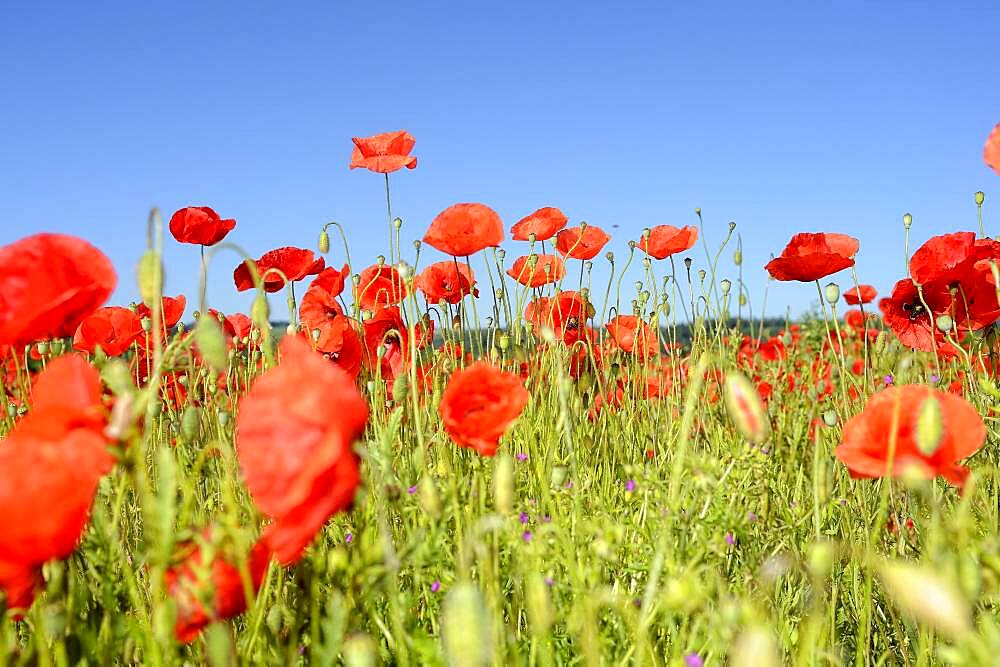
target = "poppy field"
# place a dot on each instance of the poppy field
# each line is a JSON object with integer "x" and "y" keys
{"x": 512, "y": 463}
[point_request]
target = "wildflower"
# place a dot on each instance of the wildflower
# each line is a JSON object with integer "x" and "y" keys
{"x": 583, "y": 242}
{"x": 114, "y": 328}
{"x": 172, "y": 310}
{"x": 294, "y": 263}
{"x": 199, "y": 225}
{"x": 991, "y": 152}
{"x": 730, "y": 539}
{"x": 526, "y": 536}
{"x": 630, "y": 485}
{"x": 380, "y": 287}
{"x": 693, "y": 660}
{"x": 537, "y": 270}
{"x": 887, "y": 380}
{"x": 297, "y": 457}
{"x": 436, "y": 586}
{"x": 412, "y": 489}
{"x": 446, "y": 281}
{"x": 550, "y": 582}
{"x": 465, "y": 229}
{"x": 809, "y": 257}
{"x": 663, "y": 241}
{"x": 859, "y": 295}
{"x": 633, "y": 335}
{"x": 348, "y": 537}
{"x": 384, "y": 153}
{"x": 523, "y": 517}
{"x": 50, "y": 283}
{"x": 479, "y": 404}
{"x": 521, "y": 456}
{"x": 543, "y": 223}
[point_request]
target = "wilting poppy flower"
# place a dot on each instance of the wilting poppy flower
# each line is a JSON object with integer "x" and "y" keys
{"x": 294, "y": 263}
{"x": 48, "y": 284}
{"x": 543, "y": 223}
{"x": 889, "y": 430}
{"x": 809, "y": 257}
{"x": 114, "y": 328}
{"x": 465, "y": 229}
{"x": 991, "y": 152}
{"x": 185, "y": 585}
{"x": 173, "y": 310}
{"x": 479, "y": 404}
{"x": 296, "y": 455}
{"x": 859, "y": 295}
{"x": 199, "y": 225}
{"x": 380, "y": 286}
{"x": 54, "y": 459}
{"x": 633, "y": 335}
{"x": 384, "y": 153}
{"x": 446, "y": 281}
{"x": 666, "y": 240}
{"x": 583, "y": 242}
{"x": 537, "y": 270}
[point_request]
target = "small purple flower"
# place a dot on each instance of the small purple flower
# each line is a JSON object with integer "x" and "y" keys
{"x": 348, "y": 538}
{"x": 526, "y": 536}
{"x": 550, "y": 582}
{"x": 568, "y": 485}
{"x": 546, "y": 518}
{"x": 630, "y": 485}
{"x": 302, "y": 650}
{"x": 935, "y": 379}
{"x": 887, "y": 379}
{"x": 765, "y": 451}
{"x": 751, "y": 517}
{"x": 843, "y": 502}
{"x": 436, "y": 586}
{"x": 523, "y": 517}
{"x": 730, "y": 539}
{"x": 521, "y": 456}
{"x": 693, "y": 660}
{"x": 412, "y": 489}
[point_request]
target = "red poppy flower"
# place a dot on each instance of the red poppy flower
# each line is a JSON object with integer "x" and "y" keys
{"x": 633, "y": 335}
{"x": 942, "y": 258}
{"x": 48, "y": 284}
{"x": 809, "y": 257}
{"x": 384, "y": 153}
{"x": 199, "y": 225}
{"x": 173, "y": 310}
{"x": 859, "y": 295}
{"x": 296, "y": 456}
{"x": 546, "y": 269}
{"x": 543, "y": 223}
{"x": 583, "y": 242}
{"x": 991, "y": 152}
{"x": 446, "y": 281}
{"x": 887, "y": 429}
{"x": 905, "y": 313}
{"x": 294, "y": 263}
{"x": 114, "y": 328}
{"x": 465, "y": 229}
{"x": 225, "y": 584}
{"x": 319, "y": 304}
{"x": 566, "y": 314}
{"x": 479, "y": 404}
{"x": 380, "y": 286}
{"x": 386, "y": 343}
{"x": 667, "y": 240}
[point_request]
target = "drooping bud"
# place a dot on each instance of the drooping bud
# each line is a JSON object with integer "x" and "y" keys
{"x": 211, "y": 343}
{"x": 745, "y": 408}
{"x": 324, "y": 241}
{"x": 930, "y": 426}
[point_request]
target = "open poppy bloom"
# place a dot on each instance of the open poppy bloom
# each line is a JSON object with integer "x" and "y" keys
{"x": 634, "y": 336}
{"x": 319, "y": 304}
{"x": 566, "y": 314}
{"x": 114, "y": 328}
{"x": 296, "y": 455}
{"x": 226, "y": 591}
{"x": 54, "y": 459}
{"x": 543, "y": 223}
{"x": 479, "y": 404}
{"x": 666, "y": 240}
{"x": 464, "y": 229}
{"x": 537, "y": 270}
{"x": 294, "y": 263}
{"x": 384, "y": 153}
{"x": 991, "y": 152}
{"x": 446, "y": 281}
{"x": 859, "y": 295}
{"x": 380, "y": 286}
{"x": 49, "y": 283}
{"x": 886, "y": 438}
{"x": 199, "y": 225}
{"x": 809, "y": 257}
{"x": 324, "y": 323}
{"x": 173, "y": 310}
{"x": 385, "y": 339}
{"x": 582, "y": 242}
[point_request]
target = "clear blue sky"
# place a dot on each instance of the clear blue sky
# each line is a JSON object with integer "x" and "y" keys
{"x": 785, "y": 117}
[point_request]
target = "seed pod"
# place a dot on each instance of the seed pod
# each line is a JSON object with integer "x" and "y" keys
{"x": 980, "y": 198}
{"x": 907, "y": 220}
{"x": 745, "y": 409}
{"x": 832, "y": 293}
{"x": 944, "y": 323}
{"x": 725, "y": 285}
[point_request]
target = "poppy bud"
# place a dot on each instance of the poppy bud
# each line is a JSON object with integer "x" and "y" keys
{"x": 820, "y": 561}
{"x": 260, "y": 311}
{"x": 503, "y": 484}
{"x": 832, "y": 293}
{"x": 944, "y": 323}
{"x": 324, "y": 242}
{"x": 745, "y": 408}
{"x": 665, "y": 307}
{"x": 927, "y": 598}
{"x": 907, "y": 220}
{"x": 558, "y": 476}
{"x": 980, "y": 198}
{"x": 738, "y": 257}
{"x": 466, "y": 627}
{"x": 725, "y": 286}
{"x": 118, "y": 377}
{"x": 929, "y": 426}
{"x": 150, "y": 277}
{"x": 743, "y": 299}
{"x": 211, "y": 343}
{"x": 190, "y": 422}
{"x": 400, "y": 388}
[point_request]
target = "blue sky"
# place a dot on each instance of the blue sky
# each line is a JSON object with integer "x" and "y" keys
{"x": 785, "y": 117}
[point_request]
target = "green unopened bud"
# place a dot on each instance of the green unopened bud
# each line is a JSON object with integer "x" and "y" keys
{"x": 466, "y": 627}
{"x": 118, "y": 377}
{"x": 260, "y": 311}
{"x": 831, "y": 293}
{"x": 324, "y": 242}
{"x": 929, "y": 426}
{"x": 907, "y": 220}
{"x": 211, "y": 343}
{"x": 745, "y": 408}
{"x": 190, "y": 422}
{"x": 400, "y": 388}
{"x": 558, "y": 476}
{"x": 738, "y": 257}
{"x": 429, "y": 501}
{"x": 821, "y": 556}
{"x": 503, "y": 484}
{"x": 980, "y": 198}
{"x": 150, "y": 277}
